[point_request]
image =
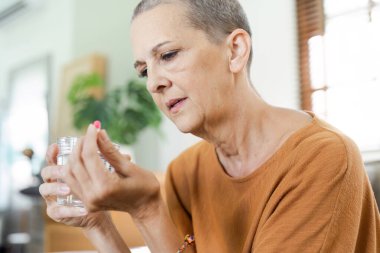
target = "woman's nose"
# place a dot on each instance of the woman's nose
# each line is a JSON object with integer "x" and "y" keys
{"x": 156, "y": 81}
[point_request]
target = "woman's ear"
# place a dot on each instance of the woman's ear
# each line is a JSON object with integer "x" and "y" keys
{"x": 239, "y": 43}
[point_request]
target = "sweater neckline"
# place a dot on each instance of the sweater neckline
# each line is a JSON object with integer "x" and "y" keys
{"x": 261, "y": 169}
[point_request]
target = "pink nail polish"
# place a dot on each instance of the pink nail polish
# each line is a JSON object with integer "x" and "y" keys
{"x": 97, "y": 124}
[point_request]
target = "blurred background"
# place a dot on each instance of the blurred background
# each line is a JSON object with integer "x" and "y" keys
{"x": 317, "y": 55}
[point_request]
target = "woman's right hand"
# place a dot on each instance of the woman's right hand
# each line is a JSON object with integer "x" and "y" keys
{"x": 72, "y": 216}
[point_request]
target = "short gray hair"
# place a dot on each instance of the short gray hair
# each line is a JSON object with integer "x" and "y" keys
{"x": 217, "y": 18}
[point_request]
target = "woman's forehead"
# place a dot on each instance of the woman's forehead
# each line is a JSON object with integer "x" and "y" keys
{"x": 166, "y": 22}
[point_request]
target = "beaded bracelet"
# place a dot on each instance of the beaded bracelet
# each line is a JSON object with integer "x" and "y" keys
{"x": 189, "y": 240}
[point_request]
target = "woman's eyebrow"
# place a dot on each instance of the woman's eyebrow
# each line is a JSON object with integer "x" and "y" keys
{"x": 138, "y": 63}
{"x": 155, "y": 48}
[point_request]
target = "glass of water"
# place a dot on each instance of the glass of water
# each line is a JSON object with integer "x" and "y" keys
{"x": 66, "y": 146}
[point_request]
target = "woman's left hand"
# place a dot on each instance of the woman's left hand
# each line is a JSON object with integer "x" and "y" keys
{"x": 129, "y": 189}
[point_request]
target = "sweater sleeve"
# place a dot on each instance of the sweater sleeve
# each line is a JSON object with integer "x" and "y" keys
{"x": 323, "y": 206}
{"x": 177, "y": 200}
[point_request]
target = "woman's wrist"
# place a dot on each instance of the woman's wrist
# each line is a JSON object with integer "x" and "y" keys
{"x": 149, "y": 211}
{"x": 102, "y": 221}
{"x": 105, "y": 236}
{"x": 158, "y": 229}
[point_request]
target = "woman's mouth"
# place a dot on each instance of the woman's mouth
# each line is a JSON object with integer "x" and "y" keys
{"x": 174, "y": 105}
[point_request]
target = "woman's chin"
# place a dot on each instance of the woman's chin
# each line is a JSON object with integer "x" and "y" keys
{"x": 186, "y": 126}
{"x": 184, "y": 129}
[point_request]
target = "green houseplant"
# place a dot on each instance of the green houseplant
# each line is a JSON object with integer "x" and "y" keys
{"x": 124, "y": 111}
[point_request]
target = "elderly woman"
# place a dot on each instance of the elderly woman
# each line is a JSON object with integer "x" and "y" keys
{"x": 264, "y": 179}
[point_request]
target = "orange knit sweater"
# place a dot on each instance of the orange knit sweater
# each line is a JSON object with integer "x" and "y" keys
{"x": 312, "y": 195}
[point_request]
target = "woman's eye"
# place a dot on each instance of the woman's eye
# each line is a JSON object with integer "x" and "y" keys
{"x": 143, "y": 73}
{"x": 169, "y": 55}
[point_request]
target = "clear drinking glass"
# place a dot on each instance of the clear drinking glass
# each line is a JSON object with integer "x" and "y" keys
{"x": 66, "y": 146}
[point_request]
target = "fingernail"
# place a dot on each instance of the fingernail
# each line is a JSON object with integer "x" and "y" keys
{"x": 83, "y": 210}
{"x": 97, "y": 124}
{"x": 64, "y": 189}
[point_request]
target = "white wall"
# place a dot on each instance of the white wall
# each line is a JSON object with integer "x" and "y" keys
{"x": 103, "y": 26}
{"x": 275, "y": 64}
{"x": 45, "y": 29}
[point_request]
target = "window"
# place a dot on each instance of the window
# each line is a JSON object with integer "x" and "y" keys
{"x": 339, "y": 44}
{"x": 23, "y": 125}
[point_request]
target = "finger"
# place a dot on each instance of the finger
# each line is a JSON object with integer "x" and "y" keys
{"x": 90, "y": 156}
{"x": 112, "y": 155}
{"x": 59, "y": 212}
{"x": 51, "y": 173}
{"x": 71, "y": 180}
{"x": 51, "y": 154}
{"x": 48, "y": 190}
{"x": 76, "y": 164}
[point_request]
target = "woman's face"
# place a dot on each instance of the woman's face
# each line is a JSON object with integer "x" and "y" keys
{"x": 187, "y": 75}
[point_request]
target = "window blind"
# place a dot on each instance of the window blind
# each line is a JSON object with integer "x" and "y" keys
{"x": 311, "y": 22}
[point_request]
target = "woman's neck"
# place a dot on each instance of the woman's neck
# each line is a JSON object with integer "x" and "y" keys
{"x": 250, "y": 131}
{"x": 238, "y": 134}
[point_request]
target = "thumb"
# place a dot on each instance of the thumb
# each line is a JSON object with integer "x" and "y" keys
{"x": 112, "y": 154}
